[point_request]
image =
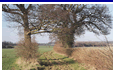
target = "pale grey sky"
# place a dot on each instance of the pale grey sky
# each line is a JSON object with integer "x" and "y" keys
{"x": 9, "y": 34}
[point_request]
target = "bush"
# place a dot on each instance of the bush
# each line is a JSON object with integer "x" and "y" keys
{"x": 26, "y": 52}
{"x": 59, "y": 49}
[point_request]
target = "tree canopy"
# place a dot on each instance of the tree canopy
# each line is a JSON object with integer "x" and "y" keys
{"x": 74, "y": 19}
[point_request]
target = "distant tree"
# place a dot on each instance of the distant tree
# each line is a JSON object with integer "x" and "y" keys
{"x": 6, "y": 44}
{"x": 71, "y": 20}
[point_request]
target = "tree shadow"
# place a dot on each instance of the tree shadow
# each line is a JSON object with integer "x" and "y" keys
{"x": 56, "y": 63}
{"x": 54, "y": 59}
{"x": 49, "y": 62}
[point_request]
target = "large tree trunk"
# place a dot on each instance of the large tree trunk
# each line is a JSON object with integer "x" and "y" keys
{"x": 67, "y": 40}
{"x": 67, "y": 37}
{"x": 27, "y": 37}
{"x": 70, "y": 40}
{"x": 26, "y": 30}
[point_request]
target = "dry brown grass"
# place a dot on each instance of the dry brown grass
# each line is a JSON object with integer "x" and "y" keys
{"x": 93, "y": 58}
{"x": 26, "y": 65}
{"x": 100, "y": 59}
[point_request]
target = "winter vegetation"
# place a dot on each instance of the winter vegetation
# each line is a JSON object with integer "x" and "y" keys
{"x": 63, "y": 23}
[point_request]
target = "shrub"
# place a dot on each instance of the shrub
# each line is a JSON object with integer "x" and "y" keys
{"x": 27, "y": 52}
{"x": 59, "y": 49}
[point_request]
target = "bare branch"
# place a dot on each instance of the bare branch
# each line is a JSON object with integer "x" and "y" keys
{"x": 29, "y": 7}
{"x": 42, "y": 32}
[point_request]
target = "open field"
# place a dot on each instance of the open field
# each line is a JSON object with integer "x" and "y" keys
{"x": 9, "y": 56}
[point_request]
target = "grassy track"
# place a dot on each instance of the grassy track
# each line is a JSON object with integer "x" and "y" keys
{"x": 54, "y": 61}
{"x": 49, "y": 59}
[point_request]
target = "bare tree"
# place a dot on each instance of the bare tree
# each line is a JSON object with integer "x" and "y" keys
{"x": 71, "y": 20}
{"x": 25, "y": 16}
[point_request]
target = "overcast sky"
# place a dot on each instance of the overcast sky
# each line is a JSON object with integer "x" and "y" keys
{"x": 9, "y": 34}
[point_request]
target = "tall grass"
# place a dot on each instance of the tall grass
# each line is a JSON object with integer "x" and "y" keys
{"x": 93, "y": 58}
{"x": 98, "y": 58}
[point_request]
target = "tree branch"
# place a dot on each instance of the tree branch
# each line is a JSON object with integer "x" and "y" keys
{"x": 42, "y": 32}
{"x": 9, "y": 11}
{"x": 29, "y": 7}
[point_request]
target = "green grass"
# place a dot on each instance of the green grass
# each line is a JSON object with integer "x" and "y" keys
{"x": 48, "y": 57}
{"x": 58, "y": 62}
{"x": 9, "y": 56}
{"x": 43, "y": 49}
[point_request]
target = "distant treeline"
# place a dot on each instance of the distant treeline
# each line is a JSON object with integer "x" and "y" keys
{"x": 6, "y": 44}
{"x": 84, "y": 44}
{"x": 90, "y": 44}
